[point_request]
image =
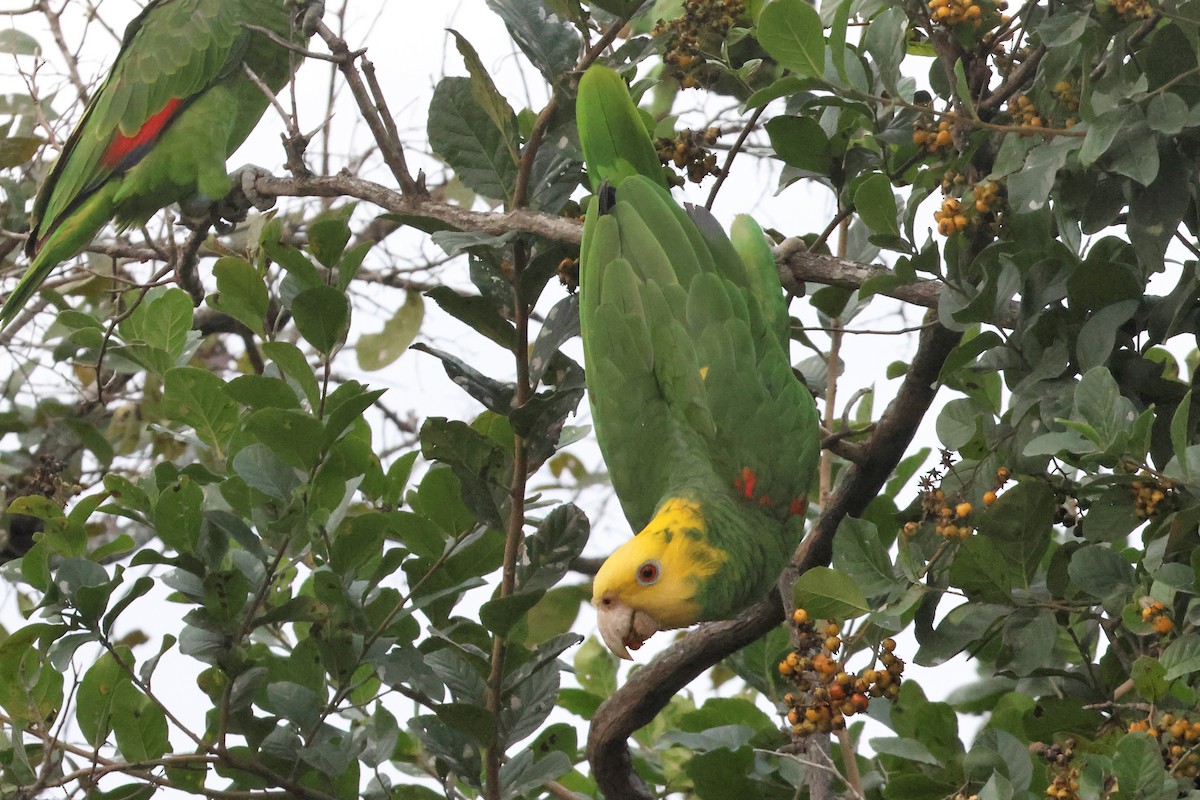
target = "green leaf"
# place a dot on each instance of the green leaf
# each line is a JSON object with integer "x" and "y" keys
{"x": 906, "y": 749}
{"x": 94, "y": 701}
{"x": 876, "y": 204}
{"x": 957, "y": 423}
{"x": 1138, "y": 767}
{"x": 550, "y": 42}
{"x": 477, "y": 312}
{"x": 859, "y": 552}
{"x": 461, "y": 133}
{"x": 259, "y": 391}
{"x": 378, "y": 350}
{"x": 293, "y": 364}
{"x": 1098, "y": 335}
{"x": 327, "y": 240}
{"x": 828, "y": 593}
{"x": 261, "y": 469}
{"x": 178, "y": 515}
{"x": 241, "y": 292}
{"x": 1150, "y": 679}
{"x": 294, "y": 436}
{"x": 18, "y": 43}
{"x": 322, "y": 316}
{"x": 1029, "y": 188}
{"x": 802, "y": 143}
{"x": 1101, "y": 572}
{"x": 560, "y": 325}
{"x": 1181, "y": 657}
{"x": 17, "y": 151}
{"x": 196, "y": 397}
{"x": 139, "y": 724}
{"x": 494, "y": 396}
{"x": 791, "y": 31}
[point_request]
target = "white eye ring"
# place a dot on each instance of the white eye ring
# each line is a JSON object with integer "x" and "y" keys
{"x": 649, "y": 573}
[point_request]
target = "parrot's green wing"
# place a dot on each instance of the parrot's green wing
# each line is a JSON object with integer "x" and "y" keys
{"x": 178, "y": 100}
{"x": 690, "y": 384}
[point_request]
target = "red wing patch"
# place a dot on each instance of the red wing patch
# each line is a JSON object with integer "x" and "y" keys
{"x": 124, "y": 151}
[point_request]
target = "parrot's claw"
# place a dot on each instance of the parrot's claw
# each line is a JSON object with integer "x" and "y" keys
{"x": 308, "y": 15}
{"x": 235, "y": 206}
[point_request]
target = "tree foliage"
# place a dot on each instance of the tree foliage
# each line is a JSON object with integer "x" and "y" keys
{"x": 1023, "y": 176}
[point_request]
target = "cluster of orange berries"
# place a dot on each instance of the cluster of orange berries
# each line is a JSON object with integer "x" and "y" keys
{"x": 825, "y": 693}
{"x": 703, "y": 21}
{"x": 934, "y": 141}
{"x": 956, "y": 12}
{"x": 1134, "y": 9}
{"x": 1155, "y": 613}
{"x": 1064, "y": 783}
{"x": 1024, "y": 113}
{"x": 953, "y": 522}
{"x": 1067, "y": 93}
{"x": 1148, "y": 495}
{"x": 950, "y": 218}
{"x": 1177, "y": 740}
{"x": 689, "y": 151}
{"x": 956, "y": 214}
{"x": 986, "y": 195}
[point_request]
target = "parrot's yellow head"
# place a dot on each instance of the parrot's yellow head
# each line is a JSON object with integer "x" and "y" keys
{"x": 650, "y": 583}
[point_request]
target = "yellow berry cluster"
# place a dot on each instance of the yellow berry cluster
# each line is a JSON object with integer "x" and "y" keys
{"x": 703, "y": 21}
{"x": 952, "y": 520}
{"x": 1149, "y": 494}
{"x": 689, "y": 151}
{"x": 825, "y": 693}
{"x": 568, "y": 274}
{"x": 1134, "y": 9}
{"x": 936, "y": 141}
{"x": 956, "y": 12}
{"x": 1024, "y": 113}
{"x": 1067, "y": 93}
{"x": 1064, "y": 775}
{"x": 1155, "y": 613}
{"x": 950, "y": 218}
{"x": 987, "y": 196}
{"x": 1178, "y": 739}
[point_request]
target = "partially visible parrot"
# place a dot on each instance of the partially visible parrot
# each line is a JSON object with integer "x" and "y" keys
{"x": 178, "y": 101}
{"x": 710, "y": 439}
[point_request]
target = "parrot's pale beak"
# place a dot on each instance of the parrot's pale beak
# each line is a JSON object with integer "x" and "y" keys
{"x": 623, "y": 628}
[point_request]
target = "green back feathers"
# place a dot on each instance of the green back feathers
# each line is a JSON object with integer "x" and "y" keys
{"x": 689, "y": 379}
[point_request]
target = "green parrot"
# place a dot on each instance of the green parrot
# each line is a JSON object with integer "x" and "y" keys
{"x": 178, "y": 101}
{"x": 710, "y": 439}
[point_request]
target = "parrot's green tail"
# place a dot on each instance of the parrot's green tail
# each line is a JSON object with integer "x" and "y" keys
{"x": 74, "y": 233}
{"x": 615, "y": 142}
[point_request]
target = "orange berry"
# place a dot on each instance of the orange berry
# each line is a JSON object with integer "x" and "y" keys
{"x": 989, "y": 498}
{"x": 962, "y": 509}
{"x": 799, "y": 616}
{"x": 1163, "y": 625}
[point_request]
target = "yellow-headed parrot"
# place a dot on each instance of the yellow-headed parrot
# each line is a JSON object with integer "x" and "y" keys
{"x": 710, "y": 439}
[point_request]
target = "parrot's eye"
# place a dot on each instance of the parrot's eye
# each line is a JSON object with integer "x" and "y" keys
{"x": 647, "y": 573}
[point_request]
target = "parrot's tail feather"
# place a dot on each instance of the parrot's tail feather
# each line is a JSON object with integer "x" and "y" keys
{"x": 64, "y": 241}
{"x": 615, "y": 142}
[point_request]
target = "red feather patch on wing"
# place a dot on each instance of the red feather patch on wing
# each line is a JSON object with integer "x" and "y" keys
{"x": 124, "y": 151}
